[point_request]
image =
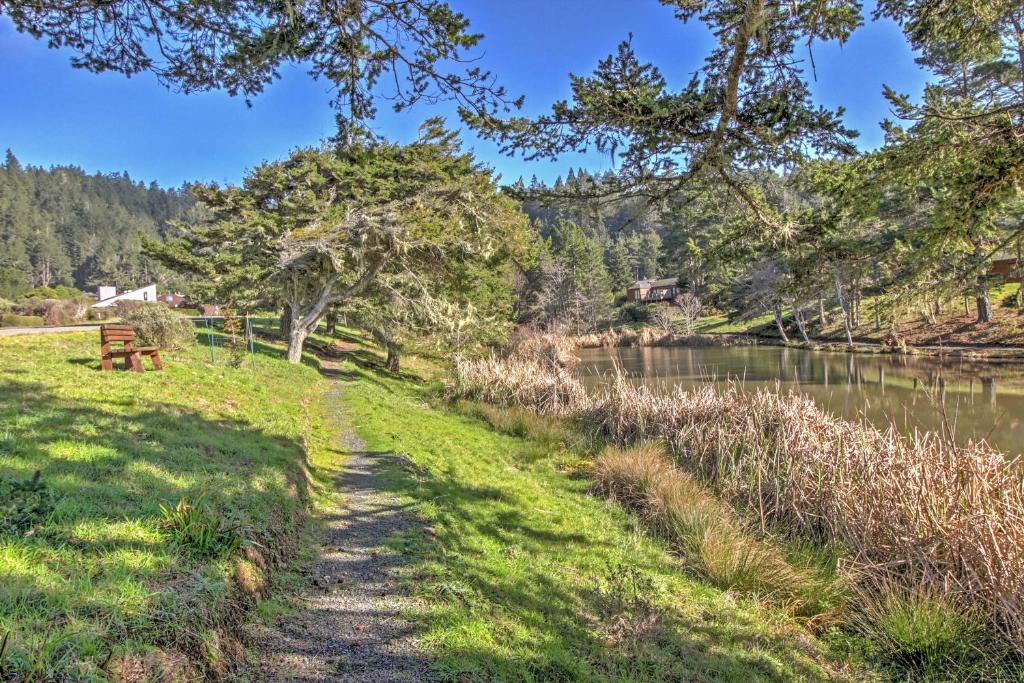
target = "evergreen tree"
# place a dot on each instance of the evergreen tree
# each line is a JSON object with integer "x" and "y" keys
{"x": 648, "y": 255}
{"x": 328, "y": 226}
{"x": 60, "y": 226}
{"x": 620, "y": 275}
{"x": 417, "y": 48}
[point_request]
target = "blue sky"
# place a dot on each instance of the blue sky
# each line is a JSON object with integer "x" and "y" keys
{"x": 51, "y": 113}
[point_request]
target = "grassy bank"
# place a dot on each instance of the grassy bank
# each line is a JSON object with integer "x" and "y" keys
{"x": 106, "y": 583}
{"x": 951, "y": 326}
{"x": 523, "y": 575}
{"x": 941, "y": 525}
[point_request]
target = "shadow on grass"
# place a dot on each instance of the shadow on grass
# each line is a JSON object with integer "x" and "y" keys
{"x": 98, "y": 561}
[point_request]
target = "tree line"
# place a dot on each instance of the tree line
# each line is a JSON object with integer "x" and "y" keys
{"x": 736, "y": 181}
{"x": 63, "y": 227}
{"x": 763, "y": 203}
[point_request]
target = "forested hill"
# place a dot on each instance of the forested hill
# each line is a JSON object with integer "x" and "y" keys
{"x": 61, "y": 226}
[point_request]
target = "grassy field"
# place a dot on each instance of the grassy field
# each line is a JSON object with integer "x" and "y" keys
{"x": 100, "y": 585}
{"x": 520, "y": 573}
{"x": 525, "y": 576}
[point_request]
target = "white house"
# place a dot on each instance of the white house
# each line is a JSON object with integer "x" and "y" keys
{"x": 108, "y": 296}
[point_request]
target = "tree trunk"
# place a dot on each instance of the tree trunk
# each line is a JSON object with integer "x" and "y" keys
{"x": 777, "y": 311}
{"x": 984, "y": 305}
{"x": 798, "y": 316}
{"x": 981, "y": 299}
{"x": 822, "y": 317}
{"x": 844, "y": 312}
{"x": 929, "y": 312}
{"x": 296, "y": 339}
{"x": 332, "y": 323}
{"x": 394, "y": 363}
{"x": 854, "y": 305}
{"x": 285, "y": 322}
{"x": 1020, "y": 269}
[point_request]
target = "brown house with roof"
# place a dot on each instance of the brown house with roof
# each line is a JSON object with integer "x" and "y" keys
{"x": 646, "y": 291}
{"x": 172, "y": 299}
{"x": 1005, "y": 267}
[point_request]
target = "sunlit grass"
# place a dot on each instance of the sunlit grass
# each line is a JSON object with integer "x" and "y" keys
{"x": 98, "y": 579}
{"x": 531, "y": 578}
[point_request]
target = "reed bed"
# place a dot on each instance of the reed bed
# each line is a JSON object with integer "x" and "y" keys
{"x": 946, "y": 517}
{"x": 649, "y": 336}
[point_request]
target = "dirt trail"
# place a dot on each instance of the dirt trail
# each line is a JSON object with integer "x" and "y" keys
{"x": 348, "y": 624}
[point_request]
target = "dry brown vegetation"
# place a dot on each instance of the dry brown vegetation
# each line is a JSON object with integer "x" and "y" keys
{"x": 921, "y": 510}
{"x": 649, "y": 336}
{"x": 713, "y": 540}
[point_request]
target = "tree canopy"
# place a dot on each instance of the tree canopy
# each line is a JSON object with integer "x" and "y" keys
{"x": 407, "y": 51}
{"x": 330, "y": 224}
{"x": 748, "y": 107}
{"x": 61, "y": 226}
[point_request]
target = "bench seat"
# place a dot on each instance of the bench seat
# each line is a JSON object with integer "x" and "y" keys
{"x": 125, "y": 335}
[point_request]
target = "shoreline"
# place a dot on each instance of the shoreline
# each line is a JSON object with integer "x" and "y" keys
{"x": 648, "y": 337}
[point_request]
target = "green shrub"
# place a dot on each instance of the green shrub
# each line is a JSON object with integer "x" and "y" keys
{"x": 11, "y": 320}
{"x": 24, "y": 505}
{"x": 156, "y": 324}
{"x": 197, "y": 530}
{"x": 65, "y": 311}
{"x": 918, "y": 627}
{"x": 58, "y": 292}
{"x": 634, "y": 313}
{"x": 6, "y": 306}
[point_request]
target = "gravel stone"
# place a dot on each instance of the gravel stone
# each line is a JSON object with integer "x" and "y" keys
{"x": 349, "y": 625}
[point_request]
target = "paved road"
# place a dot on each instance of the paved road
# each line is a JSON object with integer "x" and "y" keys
{"x": 15, "y": 331}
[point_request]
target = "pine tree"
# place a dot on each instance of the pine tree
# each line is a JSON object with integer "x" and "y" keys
{"x": 620, "y": 274}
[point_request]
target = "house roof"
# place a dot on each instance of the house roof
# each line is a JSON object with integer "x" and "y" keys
{"x": 650, "y": 284}
{"x": 132, "y": 294}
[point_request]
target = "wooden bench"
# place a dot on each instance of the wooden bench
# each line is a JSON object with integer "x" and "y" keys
{"x": 125, "y": 335}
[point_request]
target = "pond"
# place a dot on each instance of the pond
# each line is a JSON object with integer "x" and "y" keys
{"x": 977, "y": 400}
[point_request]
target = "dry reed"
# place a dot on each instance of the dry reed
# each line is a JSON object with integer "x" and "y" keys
{"x": 949, "y": 516}
{"x": 705, "y": 532}
{"x": 649, "y": 336}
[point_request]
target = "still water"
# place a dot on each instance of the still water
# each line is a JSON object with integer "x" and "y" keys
{"x": 980, "y": 400}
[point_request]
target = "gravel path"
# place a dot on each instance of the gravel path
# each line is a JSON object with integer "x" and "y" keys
{"x": 348, "y": 625}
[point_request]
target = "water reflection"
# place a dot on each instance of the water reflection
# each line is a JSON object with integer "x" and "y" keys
{"x": 970, "y": 399}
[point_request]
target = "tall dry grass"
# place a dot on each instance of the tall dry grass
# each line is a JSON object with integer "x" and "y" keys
{"x": 945, "y": 516}
{"x": 710, "y": 537}
{"x": 649, "y": 336}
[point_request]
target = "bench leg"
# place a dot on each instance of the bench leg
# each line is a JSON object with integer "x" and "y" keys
{"x": 136, "y": 362}
{"x": 157, "y": 363}
{"x": 106, "y": 360}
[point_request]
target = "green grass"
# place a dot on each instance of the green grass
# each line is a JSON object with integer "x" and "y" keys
{"x": 520, "y": 573}
{"x": 99, "y": 582}
{"x": 721, "y": 324}
{"x": 525, "y": 576}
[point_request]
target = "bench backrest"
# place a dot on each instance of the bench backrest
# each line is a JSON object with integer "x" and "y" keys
{"x": 116, "y": 333}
